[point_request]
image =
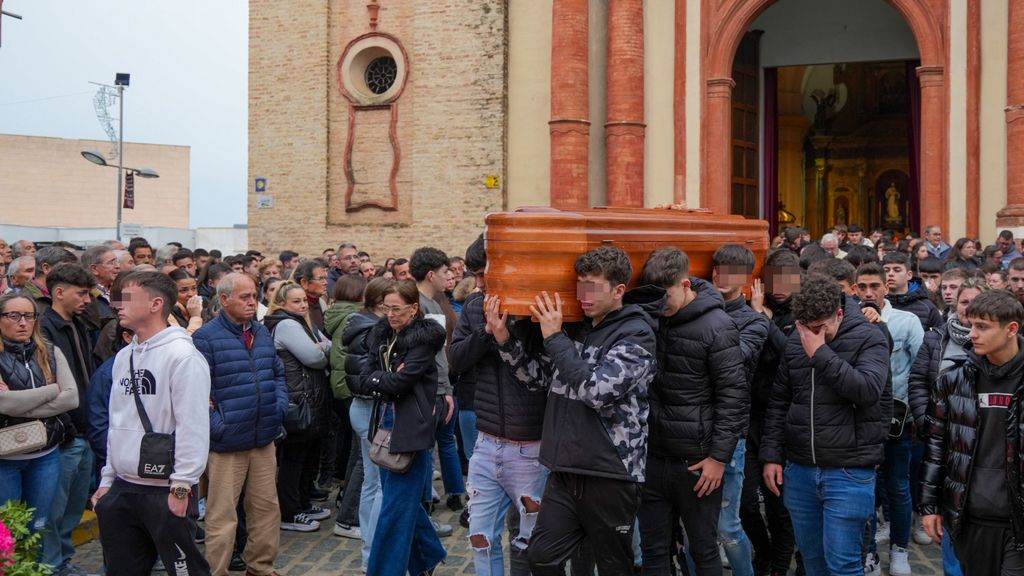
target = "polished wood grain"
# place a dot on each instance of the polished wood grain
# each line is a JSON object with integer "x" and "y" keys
{"x": 534, "y": 249}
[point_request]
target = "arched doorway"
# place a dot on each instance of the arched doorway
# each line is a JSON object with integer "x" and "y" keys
{"x": 726, "y": 24}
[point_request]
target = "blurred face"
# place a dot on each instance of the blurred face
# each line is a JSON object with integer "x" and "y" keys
{"x": 459, "y": 270}
{"x": 481, "y": 280}
{"x": 1005, "y": 244}
{"x": 240, "y": 305}
{"x": 253, "y": 269}
{"x": 449, "y": 284}
{"x": 830, "y": 246}
{"x": 18, "y": 320}
{"x": 920, "y": 251}
{"x": 364, "y": 258}
{"x": 856, "y": 237}
{"x": 438, "y": 278}
{"x": 73, "y": 299}
{"x": 5, "y": 251}
{"x": 136, "y": 307}
{"x": 237, "y": 267}
{"x": 875, "y": 237}
{"x": 995, "y": 281}
{"x": 1017, "y": 282}
{"x": 316, "y": 286}
{"x": 897, "y": 277}
{"x": 398, "y": 312}
{"x": 931, "y": 280}
{"x": 782, "y": 281}
{"x": 830, "y": 326}
{"x": 127, "y": 263}
{"x": 202, "y": 261}
{"x": 969, "y": 249}
{"x": 871, "y": 288}
{"x": 28, "y": 248}
{"x": 143, "y": 256}
{"x": 186, "y": 290}
{"x": 401, "y": 272}
{"x": 296, "y": 302}
{"x": 368, "y": 270}
{"x": 106, "y": 271}
{"x": 348, "y": 260}
{"x": 963, "y": 300}
{"x": 730, "y": 279}
{"x": 989, "y": 337}
{"x": 934, "y": 236}
{"x": 270, "y": 272}
{"x": 187, "y": 264}
{"x": 996, "y": 258}
{"x": 598, "y": 297}
{"x": 949, "y": 288}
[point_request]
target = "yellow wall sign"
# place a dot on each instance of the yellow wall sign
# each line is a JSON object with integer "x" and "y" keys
{"x": 493, "y": 182}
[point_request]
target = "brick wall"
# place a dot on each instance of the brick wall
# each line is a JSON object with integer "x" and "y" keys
{"x": 451, "y": 124}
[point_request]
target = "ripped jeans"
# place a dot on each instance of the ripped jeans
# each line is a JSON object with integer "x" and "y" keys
{"x": 730, "y": 532}
{"x": 501, "y": 473}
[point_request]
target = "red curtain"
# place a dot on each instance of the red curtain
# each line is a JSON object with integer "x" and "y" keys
{"x": 770, "y": 150}
{"x": 914, "y": 144}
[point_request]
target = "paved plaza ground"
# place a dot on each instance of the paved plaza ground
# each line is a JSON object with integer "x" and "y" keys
{"x": 322, "y": 553}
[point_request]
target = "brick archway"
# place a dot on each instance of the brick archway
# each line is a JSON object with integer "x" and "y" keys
{"x": 725, "y": 23}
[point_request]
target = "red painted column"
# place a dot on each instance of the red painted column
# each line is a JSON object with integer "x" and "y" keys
{"x": 1012, "y": 216}
{"x": 570, "y": 104}
{"x": 717, "y": 165}
{"x": 679, "y": 190}
{"x": 933, "y": 169}
{"x": 624, "y": 130}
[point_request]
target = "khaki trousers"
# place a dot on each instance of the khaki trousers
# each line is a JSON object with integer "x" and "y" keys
{"x": 229, "y": 472}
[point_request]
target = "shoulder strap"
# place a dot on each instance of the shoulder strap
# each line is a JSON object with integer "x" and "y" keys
{"x": 146, "y": 424}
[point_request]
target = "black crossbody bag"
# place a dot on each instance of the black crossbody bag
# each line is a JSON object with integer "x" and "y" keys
{"x": 156, "y": 452}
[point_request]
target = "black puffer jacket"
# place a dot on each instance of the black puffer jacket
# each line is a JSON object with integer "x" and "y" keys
{"x": 937, "y": 355}
{"x": 917, "y": 302}
{"x": 412, "y": 388}
{"x": 827, "y": 410}
{"x": 700, "y": 399}
{"x": 504, "y": 408}
{"x": 302, "y": 380}
{"x": 953, "y": 426}
{"x": 779, "y": 327}
{"x": 753, "y": 329}
{"x": 357, "y": 329}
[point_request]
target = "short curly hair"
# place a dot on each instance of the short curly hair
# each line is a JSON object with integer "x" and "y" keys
{"x": 819, "y": 298}
{"x": 608, "y": 261}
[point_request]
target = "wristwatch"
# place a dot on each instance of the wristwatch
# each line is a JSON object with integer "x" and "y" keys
{"x": 181, "y": 491}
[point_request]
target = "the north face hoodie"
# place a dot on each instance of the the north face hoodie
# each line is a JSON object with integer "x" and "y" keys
{"x": 174, "y": 385}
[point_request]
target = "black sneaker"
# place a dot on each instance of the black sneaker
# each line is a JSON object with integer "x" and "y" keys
{"x": 237, "y": 563}
{"x": 300, "y": 523}
{"x": 318, "y": 494}
{"x": 454, "y": 502}
{"x": 317, "y": 513}
{"x": 464, "y": 519}
{"x": 200, "y": 535}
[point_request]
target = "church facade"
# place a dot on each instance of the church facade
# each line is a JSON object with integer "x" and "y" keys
{"x": 394, "y": 124}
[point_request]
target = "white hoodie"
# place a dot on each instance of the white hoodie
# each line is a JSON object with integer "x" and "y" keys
{"x": 175, "y": 390}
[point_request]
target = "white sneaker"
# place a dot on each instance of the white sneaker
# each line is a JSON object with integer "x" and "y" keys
{"x": 920, "y": 537}
{"x": 317, "y": 513}
{"x": 899, "y": 562}
{"x": 202, "y": 510}
{"x": 872, "y": 565}
{"x": 301, "y": 523}
{"x": 346, "y": 531}
{"x": 882, "y": 533}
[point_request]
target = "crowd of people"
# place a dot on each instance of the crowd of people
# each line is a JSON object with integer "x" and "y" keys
{"x": 866, "y": 390}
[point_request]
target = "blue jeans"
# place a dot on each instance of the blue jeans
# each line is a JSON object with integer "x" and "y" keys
{"x": 502, "y": 472}
{"x": 467, "y": 426}
{"x": 405, "y": 541}
{"x": 448, "y": 453}
{"x": 76, "y": 464}
{"x": 32, "y": 482}
{"x": 895, "y": 475}
{"x": 730, "y": 531}
{"x": 829, "y": 507}
{"x": 369, "y": 497}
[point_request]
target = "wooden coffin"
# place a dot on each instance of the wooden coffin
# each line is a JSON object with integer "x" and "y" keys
{"x": 534, "y": 249}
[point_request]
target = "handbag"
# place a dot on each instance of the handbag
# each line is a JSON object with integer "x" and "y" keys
{"x": 298, "y": 418}
{"x": 156, "y": 451}
{"x": 22, "y": 438}
{"x": 380, "y": 446}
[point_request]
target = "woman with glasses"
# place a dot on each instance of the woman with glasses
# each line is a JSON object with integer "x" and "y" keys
{"x": 304, "y": 351}
{"x": 402, "y": 373}
{"x": 36, "y": 385}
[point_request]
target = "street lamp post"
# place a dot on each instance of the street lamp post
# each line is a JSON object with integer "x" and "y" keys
{"x": 121, "y": 80}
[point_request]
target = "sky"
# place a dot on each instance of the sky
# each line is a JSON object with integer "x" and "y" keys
{"x": 188, "y": 61}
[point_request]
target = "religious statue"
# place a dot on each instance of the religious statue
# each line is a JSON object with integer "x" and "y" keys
{"x": 892, "y": 204}
{"x": 840, "y": 214}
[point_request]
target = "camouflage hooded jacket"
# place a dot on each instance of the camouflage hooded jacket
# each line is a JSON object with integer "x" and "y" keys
{"x": 597, "y": 377}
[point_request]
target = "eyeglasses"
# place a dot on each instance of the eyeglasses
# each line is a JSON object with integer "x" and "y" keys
{"x": 393, "y": 310}
{"x": 19, "y": 316}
